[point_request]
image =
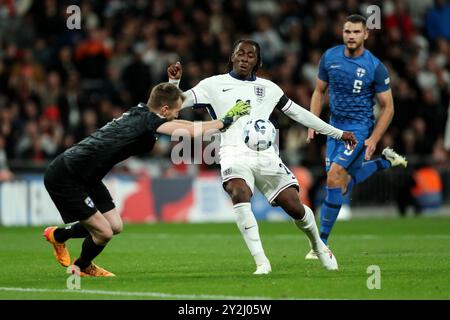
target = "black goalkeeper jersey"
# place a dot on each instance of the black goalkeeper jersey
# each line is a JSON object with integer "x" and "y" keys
{"x": 131, "y": 134}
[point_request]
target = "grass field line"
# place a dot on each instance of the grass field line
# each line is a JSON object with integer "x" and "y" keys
{"x": 287, "y": 236}
{"x": 135, "y": 294}
{"x": 237, "y": 235}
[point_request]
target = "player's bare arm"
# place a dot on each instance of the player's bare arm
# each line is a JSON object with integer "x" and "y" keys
{"x": 183, "y": 121}
{"x": 317, "y": 100}
{"x": 387, "y": 113}
{"x": 194, "y": 129}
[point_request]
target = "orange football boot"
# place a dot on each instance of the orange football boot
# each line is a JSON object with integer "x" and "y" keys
{"x": 59, "y": 248}
{"x": 92, "y": 271}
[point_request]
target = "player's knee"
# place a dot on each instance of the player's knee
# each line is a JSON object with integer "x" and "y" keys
{"x": 103, "y": 236}
{"x": 114, "y": 220}
{"x": 107, "y": 236}
{"x": 117, "y": 227}
{"x": 335, "y": 179}
{"x": 238, "y": 194}
{"x": 294, "y": 208}
{"x": 332, "y": 181}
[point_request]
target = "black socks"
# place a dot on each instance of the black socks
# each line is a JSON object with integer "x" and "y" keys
{"x": 89, "y": 251}
{"x": 73, "y": 231}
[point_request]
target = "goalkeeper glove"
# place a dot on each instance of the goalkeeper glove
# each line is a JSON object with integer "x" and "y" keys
{"x": 240, "y": 109}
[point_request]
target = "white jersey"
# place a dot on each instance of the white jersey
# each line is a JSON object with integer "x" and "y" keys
{"x": 263, "y": 169}
{"x": 219, "y": 93}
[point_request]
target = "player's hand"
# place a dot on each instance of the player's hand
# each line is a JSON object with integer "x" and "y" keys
{"x": 240, "y": 109}
{"x": 349, "y": 140}
{"x": 174, "y": 71}
{"x": 371, "y": 146}
{"x": 311, "y": 133}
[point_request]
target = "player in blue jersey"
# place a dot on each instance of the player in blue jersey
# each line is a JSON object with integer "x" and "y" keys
{"x": 353, "y": 77}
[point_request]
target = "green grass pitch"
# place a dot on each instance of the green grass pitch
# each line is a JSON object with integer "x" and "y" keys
{"x": 210, "y": 261}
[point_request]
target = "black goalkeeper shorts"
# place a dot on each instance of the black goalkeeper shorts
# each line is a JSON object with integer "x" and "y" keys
{"x": 75, "y": 200}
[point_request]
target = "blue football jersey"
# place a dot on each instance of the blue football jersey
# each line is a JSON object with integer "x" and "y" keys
{"x": 352, "y": 85}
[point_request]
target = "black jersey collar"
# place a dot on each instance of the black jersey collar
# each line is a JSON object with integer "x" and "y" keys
{"x": 143, "y": 105}
{"x": 238, "y": 77}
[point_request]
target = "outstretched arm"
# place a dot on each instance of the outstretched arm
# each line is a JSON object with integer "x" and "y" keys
{"x": 192, "y": 129}
{"x": 303, "y": 116}
{"x": 198, "y": 128}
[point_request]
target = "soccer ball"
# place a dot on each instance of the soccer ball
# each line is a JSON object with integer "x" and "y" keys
{"x": 259, "y": 134}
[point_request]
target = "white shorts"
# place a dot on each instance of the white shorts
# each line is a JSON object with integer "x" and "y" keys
{"x": 263, "y": 169}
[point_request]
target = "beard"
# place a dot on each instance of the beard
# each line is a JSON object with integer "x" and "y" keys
{"x": 353, "y": 49}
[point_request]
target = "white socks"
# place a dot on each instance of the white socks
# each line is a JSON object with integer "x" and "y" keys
{"x": 309, "y": 227}
{"x": 248, "y": 226}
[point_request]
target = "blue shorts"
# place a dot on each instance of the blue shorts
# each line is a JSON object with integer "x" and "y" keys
{"x": 351, "y": 160}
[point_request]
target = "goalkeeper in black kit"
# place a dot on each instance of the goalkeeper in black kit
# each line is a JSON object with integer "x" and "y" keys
{"x": 74, "y": 178}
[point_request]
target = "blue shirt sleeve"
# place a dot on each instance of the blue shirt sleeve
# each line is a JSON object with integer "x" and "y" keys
{"x": 381, "y": 79}
{"x": 323, "y": 75}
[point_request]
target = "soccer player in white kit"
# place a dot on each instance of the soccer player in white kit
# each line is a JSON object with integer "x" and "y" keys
{"x": 242, "y": 169}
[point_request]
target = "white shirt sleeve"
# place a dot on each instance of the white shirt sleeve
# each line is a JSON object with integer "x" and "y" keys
{"x": 189, "y": 100}
{"x": 197, "y": 95}
{"x": 303, "y": 116}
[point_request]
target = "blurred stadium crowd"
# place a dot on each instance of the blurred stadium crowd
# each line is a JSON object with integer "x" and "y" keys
{"x": 57, "y": 85}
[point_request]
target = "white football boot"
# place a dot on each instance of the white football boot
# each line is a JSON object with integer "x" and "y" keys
{"x": 394, "y": 158}
{"x": 264, "y": 268}
{"x": 311, "y": 255}
{"x": 327, "y": 259}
